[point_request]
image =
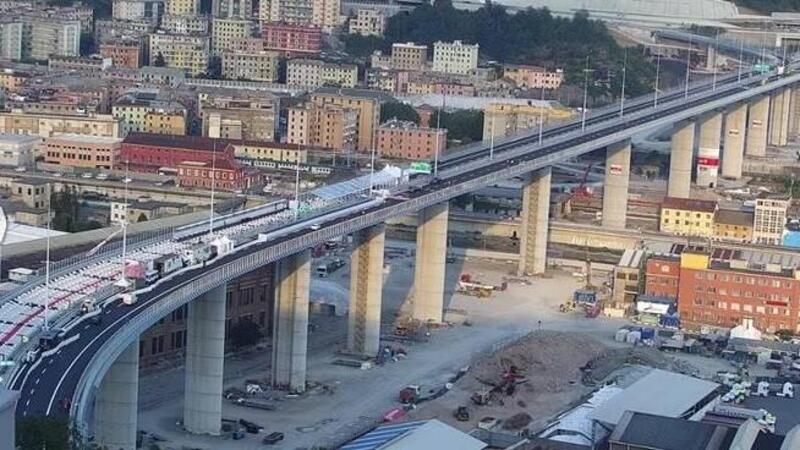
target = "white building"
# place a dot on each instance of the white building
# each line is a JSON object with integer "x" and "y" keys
{"x": 44, "y": 37}
{"x": 315, "y": 73}
{"x": 17, "y": 150}
{"x": 368, "y": 22}
{"x": 11, "y": 40}
{"x": 322, "y": 13}
{"x": 769, "y": 221}
{"x": 134, "y": 10}
{"x": 455, "y": 57}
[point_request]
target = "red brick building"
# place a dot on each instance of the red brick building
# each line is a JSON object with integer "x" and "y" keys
{"x": 147, "y": 152}
{"x": 721, "y": 293}
{"x": 229, "y": 176}
{"x": 406, "y": 140}
{"x": 123, "y": 53}
{"x": 295, "y": 39}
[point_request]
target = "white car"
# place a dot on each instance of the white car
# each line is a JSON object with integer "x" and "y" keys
{"x": 20, "y": 169}
{"x": 86, "y": 175}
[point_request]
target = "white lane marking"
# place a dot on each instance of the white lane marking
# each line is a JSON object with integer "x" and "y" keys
{"x": 44, "y": 370}
{"x": 86, "y": 327}
{"x": 37, "y": 381}
{"x": 28, "y": 403}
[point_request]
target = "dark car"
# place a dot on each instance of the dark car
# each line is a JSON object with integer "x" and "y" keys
{"x": 250, "y": 427}
{"x": 273, "y": 438}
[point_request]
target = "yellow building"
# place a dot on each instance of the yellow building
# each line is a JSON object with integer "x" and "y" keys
{"x": 262, "y": 66}
{"x": 186, "y": 52}
{"x": 225, "y": 31}
{"x": 182, "y": 7}
{"x": 315, "y": 73}
{"x": 733, "y": 225}
{"x": 272, "y": 151}
{"x": 409, "y": 56}
{"x": 46, "y": 125}
{"x": 368, "y": 22}
{"x": 507, "y": 119}
{"x": 11, "y": 81}
{"x": 688, "y": 217}
{"x": 327, "y": 126}
{"x": 165, "y": 122}
{"x": 367, "y": 105}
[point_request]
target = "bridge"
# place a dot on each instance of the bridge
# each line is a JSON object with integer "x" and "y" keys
{"x": 85, "y": 365}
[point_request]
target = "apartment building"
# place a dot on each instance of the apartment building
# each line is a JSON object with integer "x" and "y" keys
{"x": 261, "y": 66}
{"x": 407, "y": 140}
{"x": 533, "y": 77}
{"x": 182, "y": 7}
{"x": 86, "y": 152}
{"x": 326, "y": 125}
{"x": 241, "y": 9}
{"x": 292, "y": 39}
{"x": 770, "y": 220}
{"x": 133, "y": 10}
{"x": 144, "y": 112}
{"x": 12, "y": 80}
{"x": 320, "y": 13}
{"x": 507, "y": 119}
{"x": 368, "y": 22}
{"x": 688, "y": 217}
{"x": 195, "y": 25}
{"x": 225, "y": 30}
{"x": 17, "y": 150}
{"x": 166, "y": 121}
{"x": 455, "y": 57}
{"x": 270, "y": 151}
{"x": 367, "y": 105}
{"x": 44, "y": 37}
{"x": 11, "y": 47}
{"x": 409, "y": 56}
{"x": 733, "y": 225}
{"x": 230, "y": 117}
{"x": 224, "y": 175}
{"x": 46, "y": 125}
{"x": 123, "y": 53}
{"x": 88, "y": 65}
{"x": 148, "y": 152}
{"x": 185, "y": 52}
{"x": 722, "y": 293}
{"x": 314, "y": 73}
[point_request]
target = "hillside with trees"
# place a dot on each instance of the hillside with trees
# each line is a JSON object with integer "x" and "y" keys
{"x": 768, "y": 6}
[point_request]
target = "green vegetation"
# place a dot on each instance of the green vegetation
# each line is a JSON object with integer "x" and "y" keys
{"x": 361, "y": 46}
{"x": 463, "y": 126}
{"x": 159, "y": 60}
{"x": 399, "y": 110}
{"x": 532, "y": 36}
{"x": 768, "y": 6}
{"x": 64, "y": 205}
{"x": 37, "y": 433}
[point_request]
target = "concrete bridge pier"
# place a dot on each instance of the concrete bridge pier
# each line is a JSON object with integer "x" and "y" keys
{"x": 680, "y": 163}
{"x": 290, "y": 329}
{"x": 794, "y": 110}
{"x": 615, "y": 190}
{"x": 116, "y": 404}
{"x": 535, "y": 223}
{"x": 757, "y": 127}
{"x": 779, "y": 118}
{"x": 366, "y": 289}
{"x": 708, "y": 150}
{"x": 427, "y": 296}
{"x": 205, "y": 359}
{"x": 733, "y": 156}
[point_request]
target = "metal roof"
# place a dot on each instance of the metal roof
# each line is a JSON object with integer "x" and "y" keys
{"x": 659, "y": 392}
{"x": 423, "y": 435}
{"x": 380, "y": 436}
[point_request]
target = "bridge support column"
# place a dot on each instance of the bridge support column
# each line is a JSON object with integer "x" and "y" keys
{"x": 290, "y": 328}
{"x": 205, "y": 358}
{"x": 430, "y": 266}
{"x": 116, "y": 405}
{"x": 615, "y": 190}
{"x": 535, "y": 223}
{"x": 732, "y": 158}
{"x": 794, "y": 110}
{"x": 786, "y": 117}
{"x": 708, "y": 150}
{"x": 757, "y": 127}
{"x": 680, "y": 163}
{"x": 779, "y": 118}
{"x": 366, "y": 288}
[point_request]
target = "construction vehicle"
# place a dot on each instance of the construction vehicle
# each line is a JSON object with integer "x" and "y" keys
{"x": 482, "y": 397}
{"x": 461, "y": 414}
{"x": 469, "y": 286}
{"x": 409, "y": 394}
{"x": 323, "y": 270}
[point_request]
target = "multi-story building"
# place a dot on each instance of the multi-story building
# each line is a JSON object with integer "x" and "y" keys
{"x": 194, "y": 25}
{"x": 733, "y": 225}
{"x": 770, "y": 220}
{"x": 315, "y": 73}
{"x": 143, "y": 210}
{"x": 134, "y": 10}
{"x": 12, "y": 80}
{"x": 261, "y": 66}
{"x": 230, "y": 117}
{"x": 123, "y": 53}
{"x": 292, "y": 39}
{"x": 533, "y": 77}
{"x": 687, "y": 216}
{"x": 146, "y": 152}
{"x": 270, "y": 151}
{"x": 222, "y": 175}
{"x": 506, "y": 119}
{"x": 225, "y": 30}
{"x": 367, "y": 105}
{"x": 368, "y": 22}
{"x": 248, "y": 298}
{"x": 186, "y": 52}
{"x": 142, "y": 111}
{"x": 183, "y": 7}
{"x": 74, "y": 150}
{"x": 409, "y": 56}
{"x": 110, "y": 29}
{"x": 17, "y": 150}
{"x": 241, "y": 9}
{"x": 724, "y": 292}
{"x": 455, "y": 57}
{"x": 44, "y": 37}
{"x": 11, "y": 39}
{"x": 45, "y": 125}
{"x": 328, "y": 126}
{"x": 406, "y": 140}
{"x": 320, "y": 13}
{"x": 625, "y": 287}
{"x": 166, "y": 121}
{"x": 431, "y": 85}
{"x": 33, "y": 192}
{"x": 88, "y": 65}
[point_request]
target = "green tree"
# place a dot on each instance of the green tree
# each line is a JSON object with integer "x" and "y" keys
{"x": 463, "y": 126}
{"x": 87, "y": 45}
{"x": 142, "y": 218}
{"x": 361, "y": 46}
{"x": 37, "y": 433}
{"x": 399, "y": 110}
{"x": 245, "y": 333}
{"x": 159, "y": 61}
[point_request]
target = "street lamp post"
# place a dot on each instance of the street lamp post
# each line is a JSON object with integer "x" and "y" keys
{"x": 585, "y": 94}
{"x": 622, "y": 95}
{"x": 658, "y": 71}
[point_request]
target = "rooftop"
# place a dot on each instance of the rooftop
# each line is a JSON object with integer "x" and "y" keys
{"x": 83, "y": 138}
{"x": 659, "y": 392}
{"x": 177, "y": 141}
{"x": 735, "y": 217}
{"x": 667, "y": 433}
{"x": 9, "y": 138}
{"x": 431, "y": 434}
{"x": 358, "y": 93}
{"x": 689, "y": 204}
